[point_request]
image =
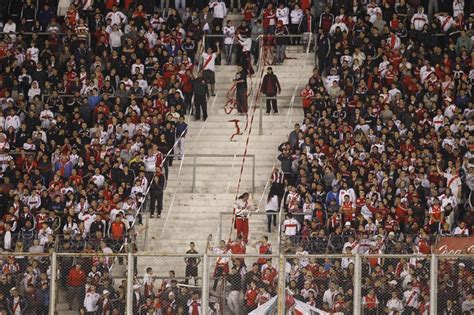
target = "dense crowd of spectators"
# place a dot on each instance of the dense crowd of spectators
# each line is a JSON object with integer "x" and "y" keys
{"x": 382, "y": 162}
{"x": 93, "y": 99}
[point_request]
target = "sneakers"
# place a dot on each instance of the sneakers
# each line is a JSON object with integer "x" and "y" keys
{"x": 276, "y": 114}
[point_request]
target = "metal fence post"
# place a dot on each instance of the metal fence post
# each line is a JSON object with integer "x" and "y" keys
{"x": 53, "y": 288}
{"x": 253, "y": 174}
{"x": 433, "y": 284}
{"x": 357, "y": 285}
{"x": 129, "y": 301}
{"x": 205, "y": 284}
{"x": 194, "y": 175}
{"x": 281, "y": 285}
{"x": 260, "y": 118}
{"x": 221, "y": 216}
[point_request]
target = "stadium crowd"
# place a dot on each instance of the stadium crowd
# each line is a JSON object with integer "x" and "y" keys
{"x": 94, "y": 97}
{"x": 382, "y": 162}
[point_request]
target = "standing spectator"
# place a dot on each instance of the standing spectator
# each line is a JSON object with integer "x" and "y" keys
{"x": 158, "y": 185}
{"x": 192, "y": 263}
{"x": 283, "y": 14}
{"x": 201, "y": 94}
{"x": 291, "y": 226}
{"x": 208, "y": 67}
{"x": 271, "y": 87}
{"x": 233, "y": 300}
{"x": 181, "y": 131}
{"x": 272, "y": 208}
{"x": 219, "y": 12}
{"x": 269, "y": 19}
{"x": 295, "y": 17}
{"x": 240, "y": 80}
{"x": 242, "y": 212}
{"x": 42, "y": 294}
{"x": 16, "y": 303}
{"x": 76, "y": 281}
{"x": 229, "y": 38}
{"x": 91, "y": 300}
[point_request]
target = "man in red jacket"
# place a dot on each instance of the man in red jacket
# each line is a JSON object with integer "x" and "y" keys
{"x": 76, "y": 280}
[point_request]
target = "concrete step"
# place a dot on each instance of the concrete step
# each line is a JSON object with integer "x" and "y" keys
{"x": 193, "y": 216}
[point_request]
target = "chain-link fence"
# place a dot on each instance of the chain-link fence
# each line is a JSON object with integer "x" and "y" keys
{"x": 455, "y": 285}
{"x": 25, "y": 280}
{"x": 90, "y": 282}
{"x": 395, "y": 284}
{"x": 225, "y": 283}
{"x": 319, "y": 282}
{"x": 241, "y": 284}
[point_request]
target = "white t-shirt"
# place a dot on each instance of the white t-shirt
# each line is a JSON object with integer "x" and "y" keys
{"x": 209, "y": 61}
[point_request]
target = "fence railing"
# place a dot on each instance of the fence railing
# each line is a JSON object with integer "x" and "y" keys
{"x": 58, "y": 34}
{"x": 336, "y": 284}
{"x": 220, "y": 164}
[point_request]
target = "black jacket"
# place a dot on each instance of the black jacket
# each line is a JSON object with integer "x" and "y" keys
{"x": 270, "y": 85}
{"x": 200, "y": 87}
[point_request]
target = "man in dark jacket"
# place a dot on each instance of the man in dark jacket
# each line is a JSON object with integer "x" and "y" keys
{"x": 271, "y": 87}
{"x": 201, "y": 94}
{"x": 240, "y": 81}
{"x": 158, "y": 184}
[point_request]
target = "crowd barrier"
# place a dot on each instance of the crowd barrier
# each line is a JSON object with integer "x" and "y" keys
{"x": 438, "y": 280}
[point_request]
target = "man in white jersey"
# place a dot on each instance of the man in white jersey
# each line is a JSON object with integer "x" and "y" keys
{"x": 208, "y": 67}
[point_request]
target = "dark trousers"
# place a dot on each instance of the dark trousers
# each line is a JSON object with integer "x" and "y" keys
{"x": 217, "y": 275}
{"x": 272, "y": 104}
{"x": 241, "y": 98}
{"x": 156, "y": 202}
{"x": 191, "y": 271}
{"x": 272, "y": 217}
{"x": 75, "y": 293}
{"x": 217, "y": 21}
{"x": 255, "y": 50}
{"x": 294, "y": 30}
{"x": 200, "y": 103}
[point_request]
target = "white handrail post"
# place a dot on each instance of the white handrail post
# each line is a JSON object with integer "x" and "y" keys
{"x": 281, "y": 285}
{"x": 53, "y": 289}
{"x": 129, "y": 300}
{"x": 205, "y": 284}
{"x": 357, "y": 285}
{"x": 260, "y": 118}
{"x": 194, "y": 175}
{"x": 433, "y": 284}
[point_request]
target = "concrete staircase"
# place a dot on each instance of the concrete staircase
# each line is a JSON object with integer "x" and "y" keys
{"x": 192, "y": 216}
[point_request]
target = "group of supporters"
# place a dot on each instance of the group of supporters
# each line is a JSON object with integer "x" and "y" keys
{"x": 383, "y": 160}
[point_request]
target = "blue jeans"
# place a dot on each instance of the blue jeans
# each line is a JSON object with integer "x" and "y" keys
{"x": 228, "y": 53}
{"x": 280, "y": 53}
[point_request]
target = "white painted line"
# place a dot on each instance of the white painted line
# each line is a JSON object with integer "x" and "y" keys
{"x": 167, "y": 216}
{"x": 179, "y": 172}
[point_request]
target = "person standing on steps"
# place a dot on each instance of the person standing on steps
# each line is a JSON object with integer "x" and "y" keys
{"x": 181, "y": 130}
{"x": 240, "y": 82}
{"x": 209, "y": 66}
{"x": 158, "y": 185}
{"x": 242, "y": 212}
{"x": 271, "y": 87}
{"x": 192, "y": 263}
{"x": 201, "y": 94}
{"x": 245, "y": 60}
{"x": 272, "y": 207}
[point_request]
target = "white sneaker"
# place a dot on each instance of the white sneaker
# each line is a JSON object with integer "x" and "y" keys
{"x": 276, "y": 114}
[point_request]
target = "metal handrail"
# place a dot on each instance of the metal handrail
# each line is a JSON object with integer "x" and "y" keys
{"x": 45, "y": 34}
{"x": 139, "y": 210}
{"x": 196, "y": 164}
